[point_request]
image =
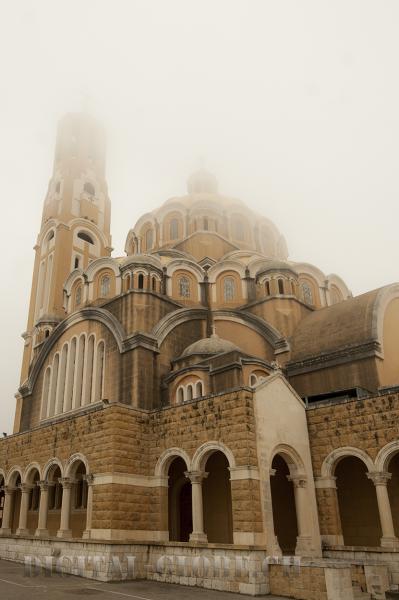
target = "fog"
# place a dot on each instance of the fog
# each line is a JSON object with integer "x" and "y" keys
{"x": 293, "y": 105}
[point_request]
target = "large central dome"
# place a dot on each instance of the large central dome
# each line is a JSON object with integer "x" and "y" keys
{"x": 205, "y": 221}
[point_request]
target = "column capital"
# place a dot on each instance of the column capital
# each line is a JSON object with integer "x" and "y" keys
{"x": 9, "y": 489}
{"x": 379, "y": 477}
{"x": 272, "y": 472}
{"x": 299, "y": 481}
{"x": 26, "y": 487}
{"x": 196, "y": 476}
{"x": 43, "y": 485}
{"x": 88, "y": 478}
{"x": 66, "y": 482}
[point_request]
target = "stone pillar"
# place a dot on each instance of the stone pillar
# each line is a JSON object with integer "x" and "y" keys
{"x": 380, "y": 480}
{"x": 328, "y": 510}
{"x": 302, "y": 507}
{"x": 7, "y": 510}
{"x": 89, "y": 510}
{"x": 23, "y": 512}
{"x": 196, "y": 477}
{"x": 42, "y": 530}
{"x": 64, "y": 530}
{"x": 273, "y": 546}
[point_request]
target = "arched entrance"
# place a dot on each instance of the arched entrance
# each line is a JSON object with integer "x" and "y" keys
{"x": 54, "y": 499}
{"x": 2, "y": 497}
{"x": 34, "y": 500}
{"x": 357, "y": 502}
{"x": 393, "y": 491}
{"x": 216, "y": 490}
{"x": 283, "y": 503}
{"x": 79, "y": 493}
{"x": 180, "y": 520}
{"x": 15, "y": 483}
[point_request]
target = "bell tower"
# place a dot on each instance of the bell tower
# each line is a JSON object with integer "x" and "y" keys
{"x": 75, "y": 227}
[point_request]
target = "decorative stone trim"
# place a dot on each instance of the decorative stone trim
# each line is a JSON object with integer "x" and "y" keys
{"x": 246, "y": 472}
{"x": 325, "y": 483}
{"x": 126, "y": 479}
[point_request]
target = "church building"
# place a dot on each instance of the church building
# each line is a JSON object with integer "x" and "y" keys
{"x": 202, "y": 400}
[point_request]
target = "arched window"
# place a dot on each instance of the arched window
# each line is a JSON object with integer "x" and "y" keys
{"x": 174, "y": 229}
{"x": 267, "y": 288}
{"x": 149, "y": 239}
{"x": 253, "y": 380}
{"x": 141, "y": 281}
{"x": 307, "y": 293}
{"x": 127, "y": 283}
{"x": 229, "y": 287}
{"x": 105, "y": 286}
{"x": 184, "y": 287}
{"x": 293, "y": 288}
{"x": 78, "y": 296}
{"x": 85, "y": 237}
{"x": 238, "y": 230}
{"x": 154, "y": 284}
{"x": 280, "y": 286}
{"x": 46, "y": 333}
{"x": 180, "y": 395}
{"x": 76, "y": 264}
{"x": 189, "y": 392}
{"x": 89, "y": 188}
{"x": 198, "y": 389}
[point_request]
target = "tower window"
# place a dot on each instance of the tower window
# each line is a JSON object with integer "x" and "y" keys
{"x": 154, "y": 284}
{"x": 141, "y": 281}
{"x": 280, "y": 286}
{"x": 89, "y": 188}
{"x": 206, "y": 224}
{"x": 229, "y": 289}
{"x": 174, "y": 229}
{"x": 85, "y": 237}
{"x": 184, "y": 287}
{"x": 105, "y": 286}
{"x": 307, "y": 293}
{"x": 149, "y": 239}
{"x": 78, "y": 297}
{"x": 76, "y": 262}
{"x": 46, "y": 333}
{"x": 267, "y": 288}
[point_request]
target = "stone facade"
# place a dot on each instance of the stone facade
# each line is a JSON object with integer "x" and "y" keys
{"x": 201, "y": 399}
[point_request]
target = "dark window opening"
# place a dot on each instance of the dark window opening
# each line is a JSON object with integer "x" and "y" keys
{"x": 85, "y": 237}
{"x": 141, "y": 281}
{"x": 280, "y": 286}
{"x": 89, "y": 188}
{"x": 76, "y": 263}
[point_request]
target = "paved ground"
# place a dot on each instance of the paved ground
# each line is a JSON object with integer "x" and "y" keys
{"x": 14, "y": 585}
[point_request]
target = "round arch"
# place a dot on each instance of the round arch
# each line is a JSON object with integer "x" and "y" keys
{"x": 53, "y": 462}
{"x": 166, "y": 459}
{"x": 385, "y": 456}
{"x": 332, "y": 460}
{"x": 76, "y": 458}
{"x": 291, "y": 457}
{"x": 13, "y": 474}
{"x": 34, "y": 466}
{"x": 206, "y": 450}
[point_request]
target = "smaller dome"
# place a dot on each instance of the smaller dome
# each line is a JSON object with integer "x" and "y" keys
{"x": 276, "y": 265}
{"x": 210, "y": 345}
{"x": 202, "y": 182}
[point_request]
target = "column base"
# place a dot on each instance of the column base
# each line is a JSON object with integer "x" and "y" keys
{"x": 198, "y": 537}
{"x": 22, "y": 532}
{"x": 64, "y": 533}
{"x": 5, "y": 532}
{"x": 304, "y": 546}
{"x": 390, "y": 542}
{"x": 42, "y": 533}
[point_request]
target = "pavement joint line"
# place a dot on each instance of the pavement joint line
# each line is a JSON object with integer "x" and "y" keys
{"x": 22, "y": 585}
{"x": 119, "y": 593}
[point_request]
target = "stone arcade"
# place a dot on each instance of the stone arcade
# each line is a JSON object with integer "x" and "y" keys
{"x": 202, "y": 401}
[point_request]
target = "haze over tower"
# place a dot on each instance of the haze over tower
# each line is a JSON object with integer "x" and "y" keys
{"x": 75, "y": 227}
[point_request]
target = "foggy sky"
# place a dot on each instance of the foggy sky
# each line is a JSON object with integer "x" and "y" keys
{"x": 293, "y": 105}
